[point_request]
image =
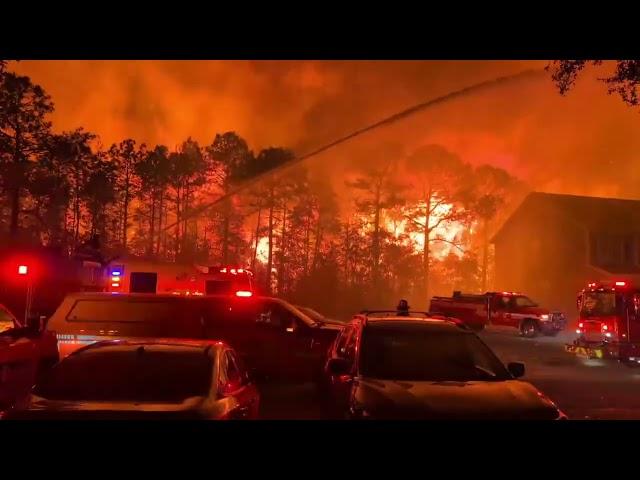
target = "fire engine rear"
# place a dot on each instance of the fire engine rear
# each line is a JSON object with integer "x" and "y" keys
{"x": 609, "y": 322}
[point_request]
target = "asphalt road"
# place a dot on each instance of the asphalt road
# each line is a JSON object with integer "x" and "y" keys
{"x": 582, "y": 388}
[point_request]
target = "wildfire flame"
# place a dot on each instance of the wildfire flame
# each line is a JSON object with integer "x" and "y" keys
{"x": 449, "y": 231}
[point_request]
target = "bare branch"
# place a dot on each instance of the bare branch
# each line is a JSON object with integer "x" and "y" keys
{"x": 453, "y": 244}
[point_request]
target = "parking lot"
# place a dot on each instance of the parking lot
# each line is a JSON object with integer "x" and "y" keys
{"x": 582, "y": 388}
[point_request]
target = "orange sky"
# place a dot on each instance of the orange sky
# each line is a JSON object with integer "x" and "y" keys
{"x": 587, "y": 142}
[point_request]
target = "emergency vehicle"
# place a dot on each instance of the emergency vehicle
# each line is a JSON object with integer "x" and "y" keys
{"x": 609, "y": 322}
{"x": 503, "y": 309}
{"x": 137, "y": 275}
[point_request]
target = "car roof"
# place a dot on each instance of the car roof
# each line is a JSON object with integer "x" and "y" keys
{"x": 431, "y": 321}
{"x": 119, "y": 295}
{"x": 178, "y": 343}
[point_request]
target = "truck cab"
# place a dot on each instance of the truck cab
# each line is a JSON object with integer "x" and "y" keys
{"x": 609, "y": 321}
{"x": 501, "y": 309}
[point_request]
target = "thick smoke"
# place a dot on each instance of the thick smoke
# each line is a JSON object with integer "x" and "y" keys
{"x": 585, "y": 143}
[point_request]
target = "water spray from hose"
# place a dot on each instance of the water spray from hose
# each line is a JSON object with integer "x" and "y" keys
{"x": 524, "y": 75}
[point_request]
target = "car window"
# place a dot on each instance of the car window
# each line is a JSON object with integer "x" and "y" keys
{"x": 234, "y": 374}
{"x": 278, "y": 316}
{"x": 122, "y": 373}
{"x": 424, "y": 354}
{"x": 164, "y": 318}
{"x": 349, "y": 350}
{"x": 124, "y": 311}
{"x": 341, "y": 341}
{"x": 6, "y": 320}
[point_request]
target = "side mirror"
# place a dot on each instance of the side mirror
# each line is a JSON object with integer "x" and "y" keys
{"x": 516, "y": 369}
{"x": 339, "y": 366}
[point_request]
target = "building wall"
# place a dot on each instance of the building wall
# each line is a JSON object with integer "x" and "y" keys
{"x": 543, "y": 255}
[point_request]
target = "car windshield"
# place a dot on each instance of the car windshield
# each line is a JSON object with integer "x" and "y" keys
{"x": 596, "y": 304}
{"x": 420, "y": 353}
{"x": 124, "y": 373}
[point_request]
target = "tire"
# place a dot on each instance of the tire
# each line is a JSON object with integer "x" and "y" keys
{"x": 529, "y": 328}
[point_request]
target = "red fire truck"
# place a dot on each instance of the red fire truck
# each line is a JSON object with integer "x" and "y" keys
{"x": 609, "y": 322}
{"x": 507, "y": 309}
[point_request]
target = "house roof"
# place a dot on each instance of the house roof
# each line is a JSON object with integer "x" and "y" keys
{"x": 594, "y": 213}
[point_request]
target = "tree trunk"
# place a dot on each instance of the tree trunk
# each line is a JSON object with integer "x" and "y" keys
{"x": 162, "y": 221}
{"x": 270, "y": 254}
{"x": 255, "y": 248}
{"x": 347, "y": 254}
{"x": 177, "y": 228}
{"x": 226, "y": 210}
{"x": 485, "y": 253}
{"x": 427, "y": 246}
{"x": 307, "y": 239}
{"x": 125, "y": 215}
{"x": 282, "y": 252}
{"x": 316, "y": 247}
{"x": 15, "y": 211}
{"x": 376, "y": 240}
{"x": 152, "y": 224}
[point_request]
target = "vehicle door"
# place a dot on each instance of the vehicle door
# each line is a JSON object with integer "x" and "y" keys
{"x": 500, "y": 310}
{"x": 238, "y": 385}
{"x": 285, "y": 341}
{"x": 341, "y": 385}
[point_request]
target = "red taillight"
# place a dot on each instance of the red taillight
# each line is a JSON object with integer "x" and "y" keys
{"x": 620, "y": 284}
{"x": 243, "y": 293}
{"x": 115, "y": 285}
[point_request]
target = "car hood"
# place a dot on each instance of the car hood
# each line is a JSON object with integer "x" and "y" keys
{"x": 499, "y": 400}
{"x": 42, "y": 408}
{"x": 537, "y": 311}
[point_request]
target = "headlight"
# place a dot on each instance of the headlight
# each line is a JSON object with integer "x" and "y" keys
{"x": 544, "y": 317}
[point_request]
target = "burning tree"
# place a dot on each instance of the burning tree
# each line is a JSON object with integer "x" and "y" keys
{"x": 378, "y": 191}
{"x": 436, "y": 179}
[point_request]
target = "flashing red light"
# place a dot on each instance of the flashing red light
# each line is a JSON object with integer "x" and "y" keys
{"x": 240, "y": 270}
{"x": 115, "y": 284}
{"x": 581, "y": 325}
{"x": 244, "y": 293}
{"x": 23, "y": 270}
{"x": 620, "y": 284}
{"x": 233, "y": 271}
{"x": 223, "y": 270}
{"x": 605, "y": 327}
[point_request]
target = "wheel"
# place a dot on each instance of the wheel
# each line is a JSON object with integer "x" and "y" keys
{"x": 529, "y": 329}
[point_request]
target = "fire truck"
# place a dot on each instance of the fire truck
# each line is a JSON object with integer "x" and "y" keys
{"x": 504, "y": 309}
{"x": 137, "y": 275}
{"x": 609, "y": 322}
